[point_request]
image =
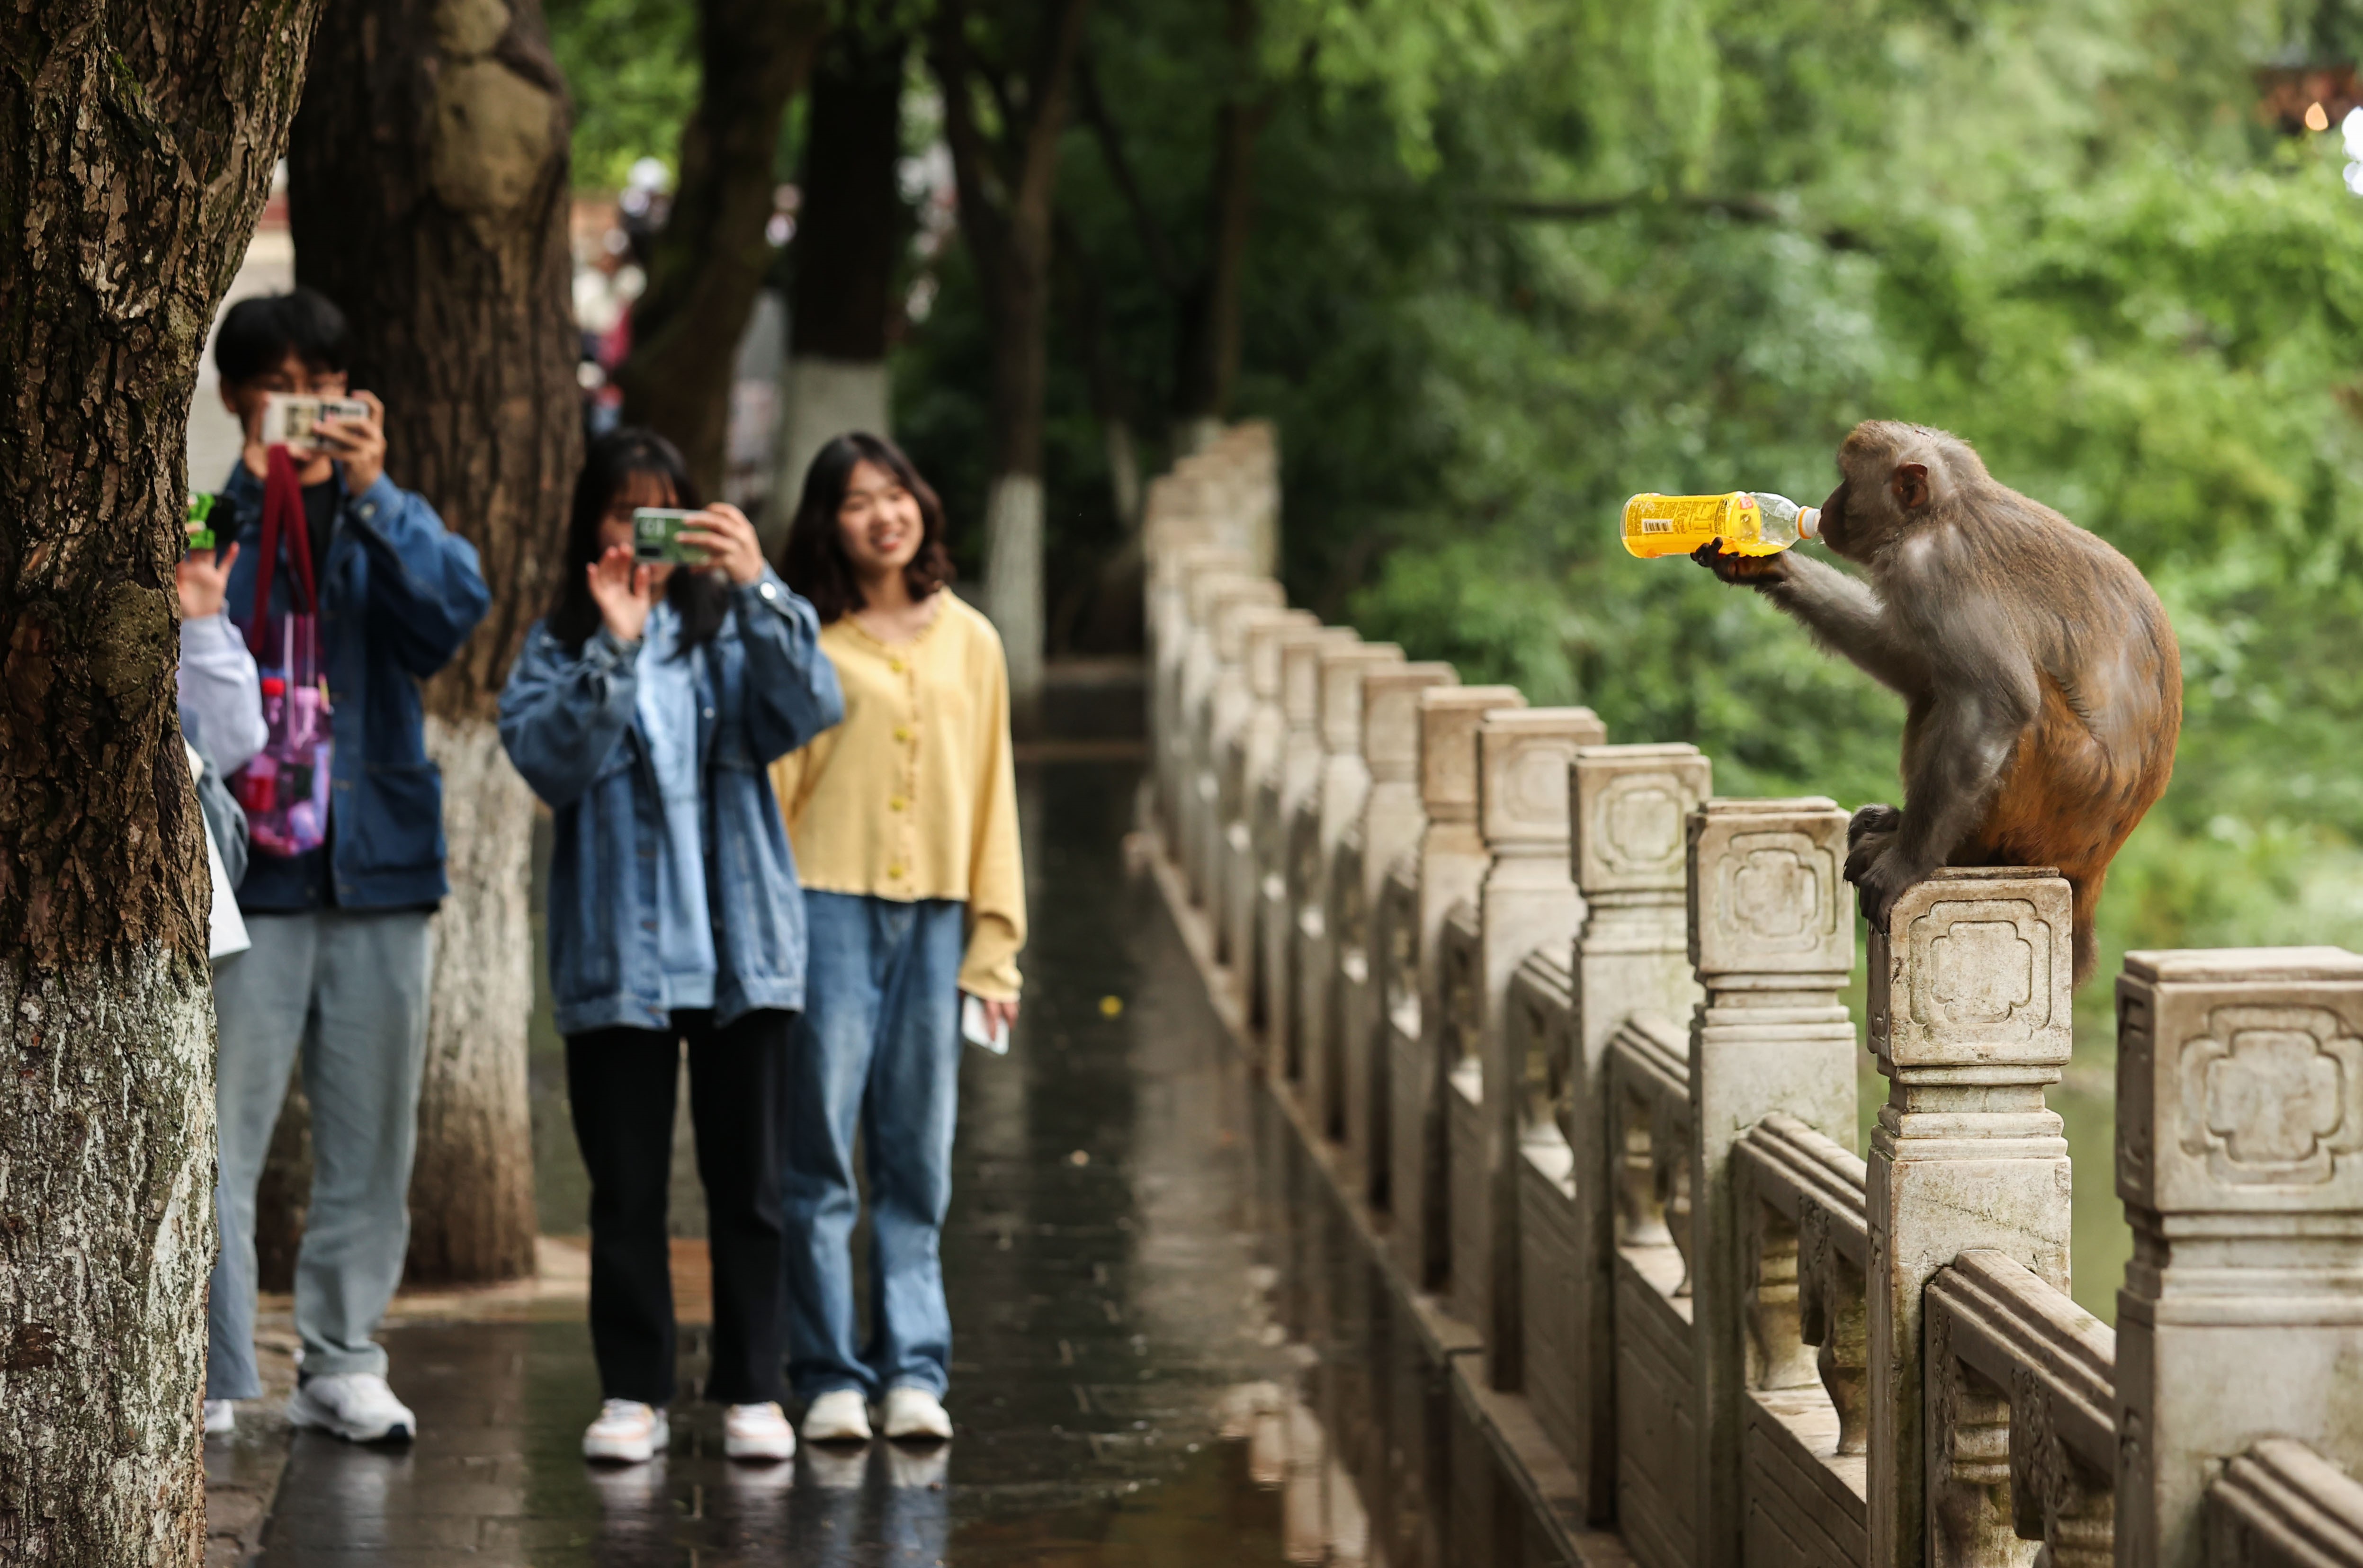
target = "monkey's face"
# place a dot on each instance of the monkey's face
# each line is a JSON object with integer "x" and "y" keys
{"x": 1875, "y": 506}
{"x": 1895, "y": 476}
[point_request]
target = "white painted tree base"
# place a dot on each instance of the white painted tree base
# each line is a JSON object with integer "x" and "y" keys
{"x": 471, "y": 1190}
{"x": 820, "y": 399}
{"x": 106, "y": 1240}
{"x": 1012, "y": 580}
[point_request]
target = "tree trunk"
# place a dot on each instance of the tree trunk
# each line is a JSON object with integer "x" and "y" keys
{"x": 428, "y": 197}
{"x": 848, "y": 241}
{"x": 710, "y": 259}
{"x": 1209, "y": 367}
{"x": 1013, "y": 519}
{"x": 136, "y": 146}
{"x": 1010, "y": 237}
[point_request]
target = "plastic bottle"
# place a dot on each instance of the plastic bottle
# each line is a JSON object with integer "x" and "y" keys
{"x": 1749, "y": 522}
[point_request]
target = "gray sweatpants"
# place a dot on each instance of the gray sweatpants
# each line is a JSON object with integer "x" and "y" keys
{"x": 348, "y": 991}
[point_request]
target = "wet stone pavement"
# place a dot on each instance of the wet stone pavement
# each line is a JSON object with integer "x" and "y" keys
{"x": 1171, "y": 1346}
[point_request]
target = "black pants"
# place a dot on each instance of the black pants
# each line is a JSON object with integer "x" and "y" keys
{"x": 620, "y": 1083}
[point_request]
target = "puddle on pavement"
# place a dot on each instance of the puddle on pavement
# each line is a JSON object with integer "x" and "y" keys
{"x": 1169, "y": 1345}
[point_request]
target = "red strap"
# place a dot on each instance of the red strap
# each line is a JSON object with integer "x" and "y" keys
{"x": 282, "y": 514}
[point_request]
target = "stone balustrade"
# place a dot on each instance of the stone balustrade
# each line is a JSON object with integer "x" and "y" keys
{"x": 1575, "y": 1029}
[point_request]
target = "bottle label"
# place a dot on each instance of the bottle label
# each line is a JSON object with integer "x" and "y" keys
{"x": 1657, "y": 525}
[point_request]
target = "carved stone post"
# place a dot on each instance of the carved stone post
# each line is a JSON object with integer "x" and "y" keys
{"x": 1392, "y": 819}
{"x": 1632, "y": 956}
{"x": 1169, "y": 628}
{"x": 1212, "y": 598}
{"x": 1336, "y": 806}
{"x": 1250, "y": 762}
{"x": 1970, "y": 1017}
{"x": 1527, "y": 901}
{"x": 1227, "y": 706}
{"x": 1277, "y": 810}
{"x": 1452, "y": 863}
{"x": 2240, "y": 1161}
{"x": 1771, "y": 923}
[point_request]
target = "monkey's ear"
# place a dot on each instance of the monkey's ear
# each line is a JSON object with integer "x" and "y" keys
{"x": 1912, "y": 488}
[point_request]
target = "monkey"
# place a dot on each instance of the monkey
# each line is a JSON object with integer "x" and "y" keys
{"x": 2042, "y": 682}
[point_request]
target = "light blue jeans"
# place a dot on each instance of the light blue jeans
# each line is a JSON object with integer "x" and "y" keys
{"x": 879, "y": 1040}
{"x": 348, "y": 991}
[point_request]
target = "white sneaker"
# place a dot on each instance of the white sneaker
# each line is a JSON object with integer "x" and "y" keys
{"x": 840, "y": 1416}
{"x": 913, "y": 1413}
{"x": 355, "y": 1405}
{"x": 757, "y": 1431}
{"x": 627, "y": 1432}
{"x": 221, "y": 1416}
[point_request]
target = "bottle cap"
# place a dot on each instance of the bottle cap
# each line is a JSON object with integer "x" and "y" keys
{"x": 1809, "y": 522}
{"x": 273, "y": 685}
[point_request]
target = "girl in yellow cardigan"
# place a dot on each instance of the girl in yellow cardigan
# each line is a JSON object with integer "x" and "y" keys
{"x": 904, "y": 823}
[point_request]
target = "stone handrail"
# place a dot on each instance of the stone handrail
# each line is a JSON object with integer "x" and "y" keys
{"x": 2003, "y": 1342}
{"x": 2281, "y": 1504}
{"x": 1576, "y": 1026}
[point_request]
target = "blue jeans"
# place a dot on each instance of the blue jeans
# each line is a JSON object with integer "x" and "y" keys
{"x": 879, "y": 1039}
{"x": 344, "y": 992}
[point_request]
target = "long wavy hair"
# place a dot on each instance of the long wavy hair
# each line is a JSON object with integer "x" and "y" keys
{"x": 814, "y": 561}
{"x": 701, "y": 598}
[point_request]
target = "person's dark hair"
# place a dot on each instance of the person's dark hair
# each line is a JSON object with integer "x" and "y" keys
{"x": 812, "y": 560}
{"x": 257, "y": 335}
{"x": 700, "y": 598}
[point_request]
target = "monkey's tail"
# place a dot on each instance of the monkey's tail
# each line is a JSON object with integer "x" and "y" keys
{"x": 2087, "y": 894}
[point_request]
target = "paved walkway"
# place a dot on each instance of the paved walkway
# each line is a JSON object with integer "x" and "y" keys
{"x": 1170, "y": 1349}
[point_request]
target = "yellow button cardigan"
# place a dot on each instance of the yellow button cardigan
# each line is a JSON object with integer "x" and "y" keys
{"x": 914, "y": 796}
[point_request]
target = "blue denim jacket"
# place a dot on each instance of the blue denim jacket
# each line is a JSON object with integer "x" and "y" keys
{"x": 399, "y": 594}
{"x": 568, "y": 718}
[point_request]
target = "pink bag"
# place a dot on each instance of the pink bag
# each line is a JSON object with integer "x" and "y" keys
{"x": 284, "y": 788}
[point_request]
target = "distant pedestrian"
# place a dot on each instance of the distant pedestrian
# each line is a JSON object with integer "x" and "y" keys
{"x": 642, "y": 710}
{"x": 905, "y": 820}
{"x": 222, "y": 726}
{"x": 365, "y": 594}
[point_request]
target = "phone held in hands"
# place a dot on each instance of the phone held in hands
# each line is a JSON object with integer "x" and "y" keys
{"x": 201, "y": 530}
{"x": 656, "y": 538}
{"x": 973, "y": 1030}
{"x": 293, "y": 419}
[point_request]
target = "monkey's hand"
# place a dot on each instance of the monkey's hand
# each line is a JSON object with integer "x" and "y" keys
{"x": 1879, "y": 819}
{"x": 1880, "y": 870}
{"x": 1748, "y": 570}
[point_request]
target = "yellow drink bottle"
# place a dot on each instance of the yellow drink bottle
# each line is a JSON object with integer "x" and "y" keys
{"x": 1749, "y": 522}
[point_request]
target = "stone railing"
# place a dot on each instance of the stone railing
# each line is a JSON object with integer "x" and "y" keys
{"x": 1571, "y": 1031}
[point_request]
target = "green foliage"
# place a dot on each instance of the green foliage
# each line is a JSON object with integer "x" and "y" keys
{"x": 633, "y": 68}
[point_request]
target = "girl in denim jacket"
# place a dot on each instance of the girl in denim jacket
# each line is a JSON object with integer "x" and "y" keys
{"x": 643, "y": 711}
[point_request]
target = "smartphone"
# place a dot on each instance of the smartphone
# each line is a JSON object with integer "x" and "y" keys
{"x": 201, "y": 531}
{"x": 656, "y": 538}
{"x": 973, "y": 1030}
{"x": 291, "y": 419}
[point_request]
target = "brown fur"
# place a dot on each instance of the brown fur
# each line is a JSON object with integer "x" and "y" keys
{"x": 2042, "y": 680}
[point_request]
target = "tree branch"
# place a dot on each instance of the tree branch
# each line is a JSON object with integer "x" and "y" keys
{"x": 1744, "y": 207}
{"x": 1162, "y": 262}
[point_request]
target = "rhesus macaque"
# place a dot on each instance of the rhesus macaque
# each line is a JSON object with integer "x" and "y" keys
{"x": 2044, "y": 685}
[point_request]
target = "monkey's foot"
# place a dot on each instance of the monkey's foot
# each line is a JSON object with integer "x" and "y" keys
{"x": 1882, "y": 819}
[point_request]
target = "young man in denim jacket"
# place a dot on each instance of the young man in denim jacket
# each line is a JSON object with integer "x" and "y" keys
{"x": 338, "y": 972}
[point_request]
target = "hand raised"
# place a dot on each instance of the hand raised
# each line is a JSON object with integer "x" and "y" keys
{"x": 619, "y": 586}
{"x": 359, "y": 444}
{"x": 1748, "y": 570}
{"x": 729, "y": 538}
{"x": 203, "y": 579}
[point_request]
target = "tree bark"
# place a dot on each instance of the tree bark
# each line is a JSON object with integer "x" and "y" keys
{"x": 1208, "y": 297}
{"x": 136, "y": 146}
{"x": 1209, "y": 367}
{"x": 848, "y": 243}
{"x": 1006, "y": 185}
{"x": 710, "y": 259}
{"x": 428, "y": 196}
